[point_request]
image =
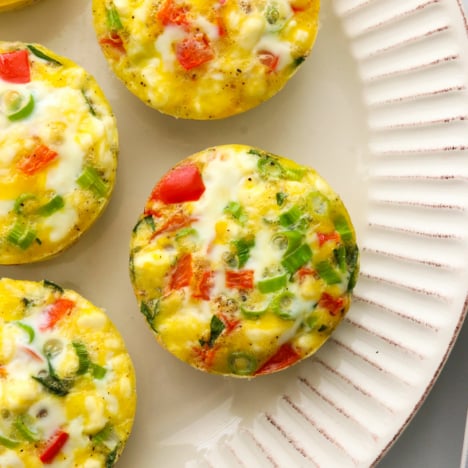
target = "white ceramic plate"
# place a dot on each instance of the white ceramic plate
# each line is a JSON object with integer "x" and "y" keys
{"x": 380, "y": 109}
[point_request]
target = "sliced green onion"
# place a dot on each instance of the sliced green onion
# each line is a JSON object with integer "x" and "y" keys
{"x": 52, "y": 285}
{"x": 243, "y": 247}
{"x": 112, "y": 457}
{"x": 272, "y": 14}
{"x": 281, "y": 198}
{"x": 297, "y": 259}
{"x": 340, "y": 257}
{"x": 18, "y": 105}
{"x": 320, "y": 204}
{"x": 236, "y": 210}
{"x": 290, "y": 217}
{"x": 52, "y": 383}
{"x": 342, "y": 226}
{"x": 52, "y": 347}
{"x": 216, "y": 328}
{"x": 150, "y": 309}
{"x": 42, "y": 55}
{"x": 241, "y": 363}
{"x": 55, "y": 204}
{"x": 21, "y": 235}
{"x": 88, "y": 103}
{"x": 328, "y": 272}
{"x": 104, "y": 434}
{"x": 273, "y": 284}
{"x": 98, "y": 371}
{"x": 83, "y": 358}
{"x": 146, "y": 220}
{"x": 298, "y": 61}
{"x": 269, "y": 167}
{"x": 90, "y": 179}
{"x": 288, "y": 241}
{"x": 252, "y": 313}
{"x": 28, "y": 329}
{"x": 8, "y": 443}
{"x": 23, "y": 429}
{"x": 184, "y": 232}
{"x": 21, "y": 200}
{"x": 283, "y": 305}
{"x": 113, "y": 19}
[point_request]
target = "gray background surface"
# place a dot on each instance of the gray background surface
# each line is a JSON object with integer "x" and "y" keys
{"x": 434, "y": 437}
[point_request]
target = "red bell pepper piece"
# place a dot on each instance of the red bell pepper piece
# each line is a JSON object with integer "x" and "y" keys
{"x": 55, "y": 312}
{"x": 53, "y": 447}
{"x": 32, "y": 353}
{"x": 327, "y": 236}
{"x": 269, "y": 59}
{"x": 113, "y": 40}
{"x": 182, "y": 273}
{"x": 240, "y": 279}
{"x": 170, "y": 13}
{"x": 193, "y": 51}
{"x": 183, "y": 183}
{"x": 14, "y": 66}
{"x": 203, "y": 285}
{"x": 333, "y": 304}
{"x": 37, "y": 160}
{"x": 284, "y": 357}
{"x": 230, "y": 323}
{"x": 174, "y": 223}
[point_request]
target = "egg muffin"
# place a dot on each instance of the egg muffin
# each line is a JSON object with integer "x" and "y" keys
{"x": 243, "y": 262}
{"x": 196, "y": 59}
{"x": 67, "y": 384}
{"x": 7, "y": 5}
{"x": 58, "y": 152}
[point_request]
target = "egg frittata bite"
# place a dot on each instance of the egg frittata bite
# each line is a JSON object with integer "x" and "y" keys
{"x": 196, "y": 59}
{"x": 243, "y": 262}
{"x": 58, "y": 152}
{"x": 67, "y": 383}
{"x": 7, "y": 5}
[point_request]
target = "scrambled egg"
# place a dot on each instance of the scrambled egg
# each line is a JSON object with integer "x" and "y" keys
{"x": 243, "y": 262}
{"x": 58, "y": 152}
{"x": 67, "y": 384}
{"x": 197, "y": 59}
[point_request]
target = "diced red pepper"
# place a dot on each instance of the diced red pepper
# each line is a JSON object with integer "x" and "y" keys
{"x": 229, "y": 322}
{"x": 269, "y": 59}
{"x": 221, "y": 25}
{"x": 328, "y": 236}
{"x": 183, "y": 183}
{"x": 284, "y": 357}
{"x": 203, "y": 285}
{"x": 174, "y": 223}
{"x": 30, "y": 352}
{"x": 170, "y": 13}
{"x": 14, "y": 66}
{"x": 193, "y": 51}
{"x": 113, "y": 40}
{"x": 182, "y": 273}
{"x": 240, "y": 279}
{"x": 37, "y": 160}
{"x": 304, "y": 272}
{"x": 206, "y": 355}
{"x": 53, "y": 447}
{"x": 55, "y": 312}
{"x": 332, "y": 304}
